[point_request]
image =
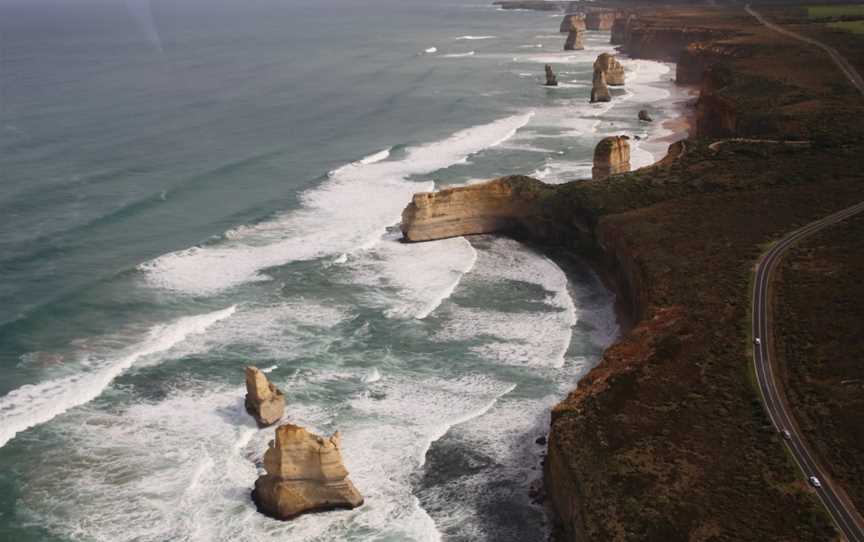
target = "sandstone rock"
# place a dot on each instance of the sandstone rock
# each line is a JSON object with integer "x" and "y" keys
{"x": 304, "y": 474}
{"x": 499, "y": 205}
{"x": 600, "y": 20}
{"x": 612, "y": 70}
{"x": 576, "y": 36}
{"x": 643, "y": 115}
{"x": 567, "y": 22}
{"x": 264, "y": 401}
{"x": 551, "y": 80}
{"x": 611, "y": 156}
{"x": 599, "y": 90}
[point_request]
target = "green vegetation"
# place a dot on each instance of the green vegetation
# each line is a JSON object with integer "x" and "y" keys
{"x": 822, "y": 12}
{"x": 856, "y": 27}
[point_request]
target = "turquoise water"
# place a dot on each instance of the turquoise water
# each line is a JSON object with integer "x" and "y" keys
{"x": 187, "y": 187}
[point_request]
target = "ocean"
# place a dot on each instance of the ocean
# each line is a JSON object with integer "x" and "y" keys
{"x": 188, "y": 187}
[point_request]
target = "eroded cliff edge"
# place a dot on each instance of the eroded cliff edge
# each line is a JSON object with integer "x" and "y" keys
{"x": 666, "y": 438}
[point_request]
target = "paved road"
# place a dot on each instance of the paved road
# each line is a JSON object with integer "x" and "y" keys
{"x": 850, "y": 72}
{"x": 842, "y": 511}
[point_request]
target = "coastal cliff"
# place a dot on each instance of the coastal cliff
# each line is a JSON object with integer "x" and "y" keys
{"x": 666, "y": 439}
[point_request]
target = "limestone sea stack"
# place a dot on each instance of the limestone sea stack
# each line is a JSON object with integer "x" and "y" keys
{"x": 576, "y": 36}
{"x": 551, "y": 79}
{"x": 264, "y": 401}
{"x": 304, "y": 474}
{"x": 611, "y": 156}
{"x": 612, "y": 70}
{"x": 567, "y": 24}
{"x": 599, "y": 90}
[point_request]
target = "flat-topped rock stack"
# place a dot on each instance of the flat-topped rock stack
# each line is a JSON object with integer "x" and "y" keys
{"x": 304, "y": 473}
{"x": 611, "y": 156}
{"x": 264, "y": 401}
{"x": 576, "y": 34}
{"x": 612, "y": 70}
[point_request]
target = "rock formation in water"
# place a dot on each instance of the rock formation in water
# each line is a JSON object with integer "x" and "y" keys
{"x": 498, "y": 205}
{"x": 643, "y": 115}
{"x": 611, "y": 156}
{"x": 551, "y": 80}
{"x": 304, "y": 474}
{"x": 613, "y": 71}
{"x": 599, "y": 90}
{"x": 567, "y": 24}
{"x": 576, "y": 36}
{"x": 601, "y": 19}
{"x": 264, "y": 401}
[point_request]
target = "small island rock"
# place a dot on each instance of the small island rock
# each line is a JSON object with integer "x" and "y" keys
{"x": 264, "y": 401}
{"x": 304, "y": 474}
{"x": 611, "y": 156}
{"x": 643, "y": 115}
{"x": 551, "y": 79}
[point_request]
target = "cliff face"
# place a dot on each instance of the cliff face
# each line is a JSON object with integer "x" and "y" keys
{"x": 715, "y": 113}
{"x": 663, "y": 43}
{"x": 600, "y": 20}
{"x": 496, "y": 206}
{"x": 621, "y": 29}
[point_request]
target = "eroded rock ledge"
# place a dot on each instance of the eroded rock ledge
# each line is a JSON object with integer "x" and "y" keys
{"x": 500, "y": 205}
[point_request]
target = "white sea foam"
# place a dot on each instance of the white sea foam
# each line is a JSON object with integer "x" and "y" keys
{"x": 181, "y": 468}
{"x": 375, "y": 193}
{"x": 376, "y": 157}
{"x": 412, "y": 279}
{"x": 458, "y": 55}
{"x": 35, "y": 404}
{"x": 474, "y": 38}
{"x": 534, "y": 337}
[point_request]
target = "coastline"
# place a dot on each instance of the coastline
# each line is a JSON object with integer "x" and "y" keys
{"x": 645, "y": 446}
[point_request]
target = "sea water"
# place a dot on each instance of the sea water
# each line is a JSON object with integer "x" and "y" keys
{"x": 191, "y": 186}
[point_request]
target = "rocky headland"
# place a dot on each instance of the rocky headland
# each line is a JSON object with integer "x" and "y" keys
{"x": 666, "y": 438}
